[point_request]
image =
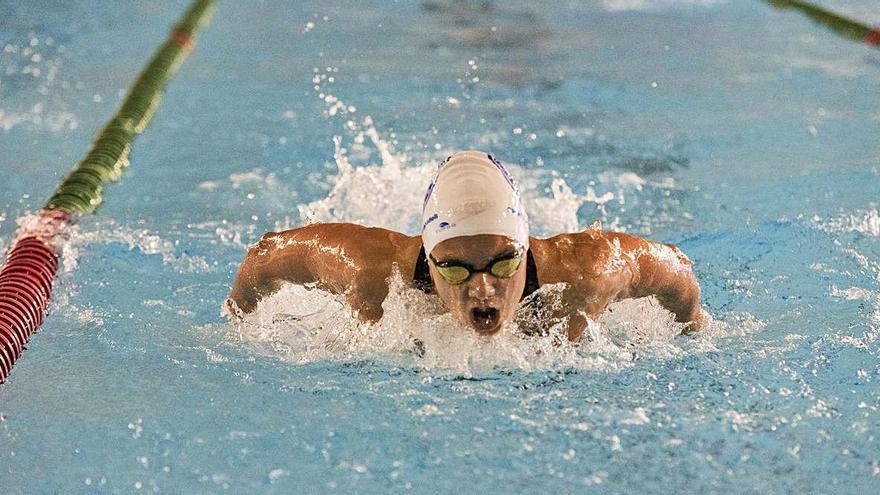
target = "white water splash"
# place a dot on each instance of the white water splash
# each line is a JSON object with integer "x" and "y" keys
{"x": 639, "y": 5}
{"x": 869, "y": 296}
{"x": 865, "y": 222}
{"x": 54, "y": 122}
{"x": 303, "y": 325}
{"x": 386, "y": 194}
{"x": 390, "y": 194}
{"x": 76, "y": 238}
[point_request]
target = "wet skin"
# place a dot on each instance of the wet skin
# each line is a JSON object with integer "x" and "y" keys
{"x": 596, "y": 268}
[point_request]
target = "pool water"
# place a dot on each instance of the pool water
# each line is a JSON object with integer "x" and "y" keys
{"x": 744, "y": 134}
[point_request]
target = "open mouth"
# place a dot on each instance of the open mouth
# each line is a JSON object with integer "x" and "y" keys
{"x": 485, "y": 320}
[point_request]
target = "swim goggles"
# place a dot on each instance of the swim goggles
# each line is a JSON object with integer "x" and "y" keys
{"x": 456, "y": 272}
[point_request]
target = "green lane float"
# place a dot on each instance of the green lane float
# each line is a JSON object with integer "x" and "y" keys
{"x": 847, "y": 28}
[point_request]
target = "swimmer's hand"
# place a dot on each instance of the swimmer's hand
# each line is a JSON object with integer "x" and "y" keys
{"x": 697, "y": 324}
{"x": 231, "y": 309}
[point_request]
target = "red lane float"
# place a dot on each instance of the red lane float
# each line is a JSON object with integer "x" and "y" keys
{"x": 26, "y": 284}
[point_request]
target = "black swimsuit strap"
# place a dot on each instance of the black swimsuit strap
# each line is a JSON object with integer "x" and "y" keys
{"x": 532, "y": 283}
{"x": 422, "y": 276}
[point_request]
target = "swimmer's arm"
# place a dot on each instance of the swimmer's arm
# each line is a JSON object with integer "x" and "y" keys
{"x": 339, "y": 258}
{"x": 266, "y": 267}
{"x": 663, "y": 271}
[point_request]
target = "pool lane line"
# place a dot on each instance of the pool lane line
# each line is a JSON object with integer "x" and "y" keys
{"x": 31, "y": 263}
{"x": 847, "y": 28}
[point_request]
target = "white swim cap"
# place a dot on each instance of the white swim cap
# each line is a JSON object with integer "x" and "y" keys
{"x": 472, "y": 193}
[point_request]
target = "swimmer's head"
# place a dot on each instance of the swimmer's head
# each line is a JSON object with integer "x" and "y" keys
{"x": 476, "y": 233}
{"x": 472, "y": 194}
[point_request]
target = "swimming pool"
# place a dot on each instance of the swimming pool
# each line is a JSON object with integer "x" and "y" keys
{"x": 744, "y": 134}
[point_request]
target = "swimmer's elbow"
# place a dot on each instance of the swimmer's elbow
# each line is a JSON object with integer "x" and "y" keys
{"x": 688, "y": 309}
{"x": 672, "y": 281}
{"x": 253, "y": 280}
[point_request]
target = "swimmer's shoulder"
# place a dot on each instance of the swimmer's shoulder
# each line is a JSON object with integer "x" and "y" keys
{"x": 341, "y": 233}
{"x": 589, "y": 254}
{"x": 377, "y": 246}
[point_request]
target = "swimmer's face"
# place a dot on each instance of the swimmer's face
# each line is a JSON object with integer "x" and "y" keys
{"x": 484, "y": 301}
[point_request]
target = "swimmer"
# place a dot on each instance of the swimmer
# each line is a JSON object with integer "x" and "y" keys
{"x": 476, "y": 255}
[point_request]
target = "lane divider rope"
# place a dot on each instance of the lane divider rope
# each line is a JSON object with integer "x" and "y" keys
{"x": 847, "y": 28}
{"x": 31, "y": 263}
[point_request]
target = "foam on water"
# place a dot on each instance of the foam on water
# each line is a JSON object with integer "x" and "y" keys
{"x": 862, "y": 224}
{"x": 107, "y": 231}
{"x": 75, "y": 239}
{"x": 303, "y": 325}
{"x": 639, "y": 5}
{"x": 865, "y": 222}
